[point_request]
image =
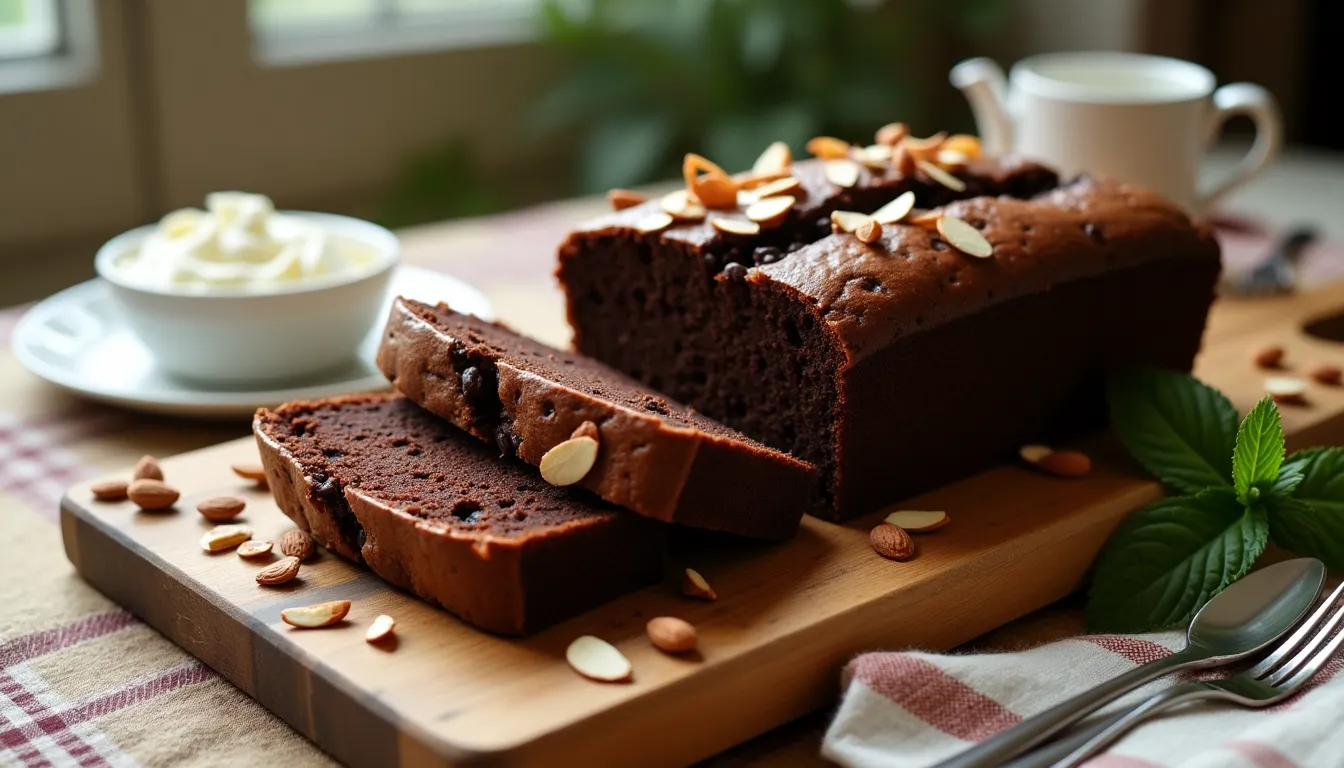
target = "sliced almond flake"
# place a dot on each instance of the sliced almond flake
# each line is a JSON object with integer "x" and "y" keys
{"x": 746, "y": 197}
{"x": 772, "y": 210}
{"x": 951, "y": 158}
{"x": 891, "y": 134}
{"x": 927, "y": 146}
{"x": 964, "y": 237}
{"x": 749, "y": 180}
{"x": 569, "y": 462}
{"x": 736, "y": 226}
{"x": 828, "y": 147}
{"x": 1285, "y": 389}
{"x": 918, "y": 521}
{"x": 848, "y": 221}
{"x": 715, "y": 191}
{"x": 776, "y": 158}
{"x": 964, "y": 143}
{"x": 903, "y": 162}
{"x": 681, "y": 204}
{"x": 897, "y": 209}
{"x": 694, "y": 165}
{"x": 927, "y": 219}
{"x": 1032, "y": 454}
{"x": 654, "y": 222}
{"x": 596, "y": 659}
{"x": 876, "y": 157}
{"x": 941, "y": 176}
{"x": 620, "y": 199}
{"x": 785, "y": 186}
{"x": 842, "y": 173}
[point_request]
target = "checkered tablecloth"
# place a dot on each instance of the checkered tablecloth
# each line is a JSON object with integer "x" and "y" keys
{"x": 84, "y": 683}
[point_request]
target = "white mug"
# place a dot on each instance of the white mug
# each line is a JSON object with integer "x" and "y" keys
{"x": 1138, "y": 118}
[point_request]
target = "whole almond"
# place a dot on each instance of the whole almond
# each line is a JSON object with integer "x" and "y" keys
{"x": 253, "y": 472}
{"x": 147, "y": 468}
{"x": 254, "y": 548}
{"x": 891, "y": 542}
{"x": 694, "y": 585}
{"x": 671, "y": 635}
{"x": 109, "y": 490}
{"x": 152, "y": 495}
{"x": 1066, "y": 463}
{"x": 282, "y": 571}
{"x": 297, "y": 543}
{"x": 223, "y": 537}
{"x": 315, "y": 616}
{"x": 1268, "y": 356}
{"x": 1325, "y": 373}
{"x": 221, "y": 508}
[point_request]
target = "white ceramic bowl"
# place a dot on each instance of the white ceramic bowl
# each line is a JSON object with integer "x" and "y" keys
{"x": 235, "y": 336}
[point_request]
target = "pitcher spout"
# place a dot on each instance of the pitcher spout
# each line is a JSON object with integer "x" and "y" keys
{"x": 985, "y": 87}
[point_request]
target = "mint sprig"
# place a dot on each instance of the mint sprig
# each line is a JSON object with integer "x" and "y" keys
{"x": 1168, "y": 559}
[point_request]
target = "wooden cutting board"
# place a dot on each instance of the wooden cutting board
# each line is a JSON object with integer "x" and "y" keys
{"x": 772, "y": 646}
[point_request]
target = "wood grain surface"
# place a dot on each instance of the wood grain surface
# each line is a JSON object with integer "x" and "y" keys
{"x": 787, "y": 618}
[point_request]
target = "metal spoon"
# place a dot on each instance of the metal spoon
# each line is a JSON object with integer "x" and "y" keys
{"x": 1242, "y": 620}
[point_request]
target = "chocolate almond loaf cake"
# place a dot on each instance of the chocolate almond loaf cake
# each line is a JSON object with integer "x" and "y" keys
{"x": 378, "y": 480}
{"x": 907, "y": 348}
{"x": 654, "y": 456}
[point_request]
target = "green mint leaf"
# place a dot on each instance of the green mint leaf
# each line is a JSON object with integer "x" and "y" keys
{"x": 1311, "y": 523}
{"x": 1179, "y": 429}
{"x": 1258, "y": 453}
{"x": 1164, "y": 562}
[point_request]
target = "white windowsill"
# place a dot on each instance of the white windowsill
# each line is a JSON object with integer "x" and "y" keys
{"x": 73, "y": 66}
{"x": 506, "y": 23}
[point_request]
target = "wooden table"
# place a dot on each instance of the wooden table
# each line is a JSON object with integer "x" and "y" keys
{"x": 510, "y": 257}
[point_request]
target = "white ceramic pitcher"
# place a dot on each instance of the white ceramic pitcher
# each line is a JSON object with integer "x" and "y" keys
{"x": 1144, "y": 119}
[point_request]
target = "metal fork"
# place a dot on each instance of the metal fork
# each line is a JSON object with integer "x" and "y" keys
{"x": 1279, "y": 675}
{"x": 1278, "y": 272}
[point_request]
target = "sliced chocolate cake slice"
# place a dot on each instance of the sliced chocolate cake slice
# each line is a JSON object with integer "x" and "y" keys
{"x": 378, "y": 480}
{"x": 654, "y": 456}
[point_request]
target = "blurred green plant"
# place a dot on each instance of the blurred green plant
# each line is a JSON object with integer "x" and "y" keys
{"x": 653, "y": 79}
{"x": 444, "y": 183}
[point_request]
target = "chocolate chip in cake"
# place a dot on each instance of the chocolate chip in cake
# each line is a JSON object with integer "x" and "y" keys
{"x": 767, "y": 255}
{"x": 735, "y": 272}
{"x": 472, "y": 384}
{"x": 507, "y": 440}
{"x": 1094, "y": 232}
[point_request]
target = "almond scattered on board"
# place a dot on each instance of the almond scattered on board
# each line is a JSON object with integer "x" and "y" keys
{"x": 315, "y": 616}
{"x": 221, "y": 508}
{"x": 254, "y": 548}
{"x": 223, "y": 537}
{"x": 694, "y": 585}
{"x": 891, "y": 542}
{"x": 620, "y": 199}
{"x": 1268, "y": 356}
{"x": 918, "y": 521}
{"x": 568, "y": 462}
{"x": 109, "y": 490}
{"x": 253, "y": 472}
{"x": 1324, "y": 373}
{"x": 964, "y": 237}
{"x": 152, "y": 495}
{"x": 671, "y": 635}
{"x": 147, "y": 468}
{"x": 1286, "y": 390}
{"x": 282, "y": 571}
{"x": 1066, "y": 463}
{"x": 380, "y": 628}
{"x": 296, "y": 543}
{"x": 596, "y": 659}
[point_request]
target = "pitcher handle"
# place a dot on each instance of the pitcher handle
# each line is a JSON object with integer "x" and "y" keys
{"x": 1256, "y": 103}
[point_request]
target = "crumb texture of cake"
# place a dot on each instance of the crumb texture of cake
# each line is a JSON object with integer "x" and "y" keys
{"x": 900, "y": 365}
{"x": 378, "y": 480}
{"x": 655, "y": 456}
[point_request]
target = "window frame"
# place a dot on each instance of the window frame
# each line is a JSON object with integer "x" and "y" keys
{"x": 71, "y": 61}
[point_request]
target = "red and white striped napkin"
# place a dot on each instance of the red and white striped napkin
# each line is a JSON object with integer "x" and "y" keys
{"x": 910, "y": 709}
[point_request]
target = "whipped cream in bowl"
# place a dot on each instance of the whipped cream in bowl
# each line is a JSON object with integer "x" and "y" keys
{"x": 239, "y": 293}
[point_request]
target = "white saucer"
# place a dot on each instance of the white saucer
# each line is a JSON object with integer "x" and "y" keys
{"x": 78, "y": 340}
